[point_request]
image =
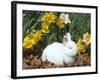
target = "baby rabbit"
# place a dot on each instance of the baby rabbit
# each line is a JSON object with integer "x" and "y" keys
{"x": 60, "y": 53}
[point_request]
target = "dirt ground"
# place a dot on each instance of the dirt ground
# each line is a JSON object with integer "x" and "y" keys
{"x": 31, "y": 61}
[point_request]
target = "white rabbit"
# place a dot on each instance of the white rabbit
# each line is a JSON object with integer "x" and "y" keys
{"x": 60, "y": 53}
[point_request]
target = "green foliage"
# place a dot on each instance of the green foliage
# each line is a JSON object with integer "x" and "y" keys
{"x": 80, "y": 24}
{"x": 29, "y": 20}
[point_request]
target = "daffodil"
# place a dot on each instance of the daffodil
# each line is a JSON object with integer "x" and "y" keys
{"x": 65, "y": 18}
{"x": 83, "y": 43}
{"x": 48, "y": 17}
{"x": 32, "y": 39}
{"x": 86, "y": 38}
{"x": 45, "y": 27}
{"x": 28, "y": 41}
{"x": 37, "y": 36}
{"x": 81, "y": 46}
{"x": 59, "y": 22}
{"x": 27, "y": 44}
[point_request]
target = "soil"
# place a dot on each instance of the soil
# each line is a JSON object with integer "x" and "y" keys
{"x": 31, "y": 61}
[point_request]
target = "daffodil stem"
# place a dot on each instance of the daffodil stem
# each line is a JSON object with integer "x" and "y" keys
{"x": 66, "y": 28}
{"x": 34, "y": 25}
{"x": 58, "y": 33}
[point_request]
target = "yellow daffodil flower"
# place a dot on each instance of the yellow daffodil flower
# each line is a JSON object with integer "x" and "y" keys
{"x": 83, "y": 43}
{"x": 48, "y": 17}
{"x": 32, "y": 39}
{"x": 81, "y": 46}
{"x": 59, "y": 22}
{"x": 28, "y": 41}
{"x": 37, "y": 36}
{"x": 86, "y": 38}
{"x": 45, "y": 27}
{"x": 27, "y": 44}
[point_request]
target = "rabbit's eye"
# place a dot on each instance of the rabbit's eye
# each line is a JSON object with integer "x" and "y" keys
{"x": 70, "y": 47}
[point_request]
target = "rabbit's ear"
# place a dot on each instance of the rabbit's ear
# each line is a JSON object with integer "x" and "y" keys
{"x": 65, "y": 39}
{"x": 68, "y": 36}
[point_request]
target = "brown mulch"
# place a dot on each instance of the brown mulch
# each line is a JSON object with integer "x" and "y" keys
{"x": 34, "y": 62}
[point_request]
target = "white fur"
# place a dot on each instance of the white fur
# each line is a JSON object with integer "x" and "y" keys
{"x": 60, "y": 53}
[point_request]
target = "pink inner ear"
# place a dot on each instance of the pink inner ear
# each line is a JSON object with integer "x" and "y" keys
{"x": 65, "y": 39}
